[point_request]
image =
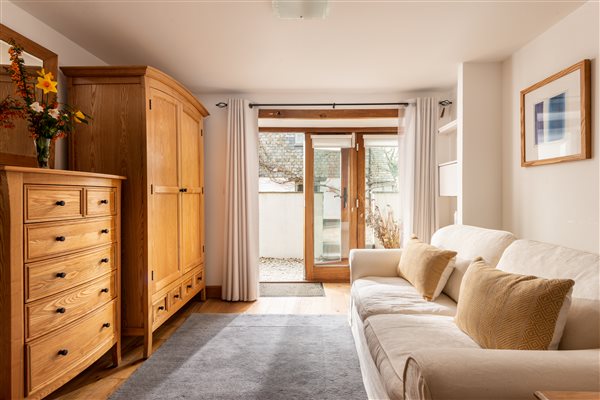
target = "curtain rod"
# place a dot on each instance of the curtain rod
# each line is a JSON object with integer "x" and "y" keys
{"x": 222, "y": 104}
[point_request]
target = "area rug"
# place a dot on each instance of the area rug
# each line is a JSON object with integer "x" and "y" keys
{"x": 244, "y": 356}
{"x": 291, "y": 289}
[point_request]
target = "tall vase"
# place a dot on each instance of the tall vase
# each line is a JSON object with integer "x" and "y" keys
{"x": 42, "y": 149}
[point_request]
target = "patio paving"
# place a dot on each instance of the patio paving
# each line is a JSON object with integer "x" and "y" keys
{"x": 281, "y": 269}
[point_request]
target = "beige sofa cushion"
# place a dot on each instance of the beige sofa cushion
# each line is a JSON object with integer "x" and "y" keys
{"x": 582, "y": 330}
{"x": 393, "y": 295}
{"x": 424, "y": 266}
{"x": 392, "y": 338}
{"x": 500, "y": 310}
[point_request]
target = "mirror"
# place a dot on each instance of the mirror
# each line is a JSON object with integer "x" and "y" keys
{"x": 16, "y": 145}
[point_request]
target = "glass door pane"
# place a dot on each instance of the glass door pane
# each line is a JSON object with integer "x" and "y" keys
{"x": 382, "y": 197}
{"x": 332, "y": 205}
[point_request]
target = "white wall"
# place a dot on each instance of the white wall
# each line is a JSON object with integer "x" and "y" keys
{"x": 69, "y": 53}
{"x": 215, "y": 145}
{"x": 556, "y": 203}
{"x": 281, "y": 224}
{"x": 479, "y": 143}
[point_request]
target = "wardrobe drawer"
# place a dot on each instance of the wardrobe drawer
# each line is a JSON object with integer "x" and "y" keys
{"x": 100, "y": 201}
{"x": 175, "y": 298}
{"x": 45, "y": 315}
{"x": 187, "y": 287}
{"x": 199, "y": 278}
{"x": 46, "y": 278}
{"x": 57, "y": 353}
{"x": 50, "y": 239}
{"x": 47, "y": 203}
{"x": 160, "y": 311}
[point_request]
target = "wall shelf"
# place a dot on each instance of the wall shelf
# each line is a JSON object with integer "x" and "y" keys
{"x": 448, "y": 128}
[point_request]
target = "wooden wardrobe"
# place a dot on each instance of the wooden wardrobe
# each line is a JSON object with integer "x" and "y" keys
{"x": 148, "y": 127}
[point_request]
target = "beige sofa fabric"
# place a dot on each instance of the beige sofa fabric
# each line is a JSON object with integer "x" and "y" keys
{"x": 393, "y": 338}
{"x": 582, "y": 330}
{"x": 501, "y": 310}
{"x": 470, "y": 242}
{"x": 476, "y": 374}
{"x": 374, "y": 262}
{"x": 423, "y": 265}
{"x": 394, "y": 295}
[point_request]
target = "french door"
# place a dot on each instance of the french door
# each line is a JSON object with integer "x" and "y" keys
{"x": 350, "y": 192}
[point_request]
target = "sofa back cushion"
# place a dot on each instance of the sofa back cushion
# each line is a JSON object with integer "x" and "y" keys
{"x": 470, "y": 242}
{"x": 582, "y": 330}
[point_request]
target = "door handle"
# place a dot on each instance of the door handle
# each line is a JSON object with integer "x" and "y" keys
{"x": 345, "y": 196}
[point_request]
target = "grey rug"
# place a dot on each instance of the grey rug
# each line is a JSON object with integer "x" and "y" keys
{"x": 291, "y": 289}
{"x": 233, "y": 356}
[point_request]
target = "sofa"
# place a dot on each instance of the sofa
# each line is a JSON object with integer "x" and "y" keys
{"x": 410, "y": 348}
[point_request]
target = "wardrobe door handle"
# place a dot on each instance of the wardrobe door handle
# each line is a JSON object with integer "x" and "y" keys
{"x": 104, "y": 231}
{"x": 160, "y": 308}
{"x": 60, "y": 203}
{"x": 61, "y": 310}
{"x": 176, "y": 296}
{"x": 104, "y": 201}
{"x": 106, "y": 325}
{"x": 104, "y": 260}
{"x": 60, "y": 238}
{"x": 61, "y": 274}
{"x": 189, "y": 286}
{"x": 104, "y": 290}
{"x": 63, "y": 352}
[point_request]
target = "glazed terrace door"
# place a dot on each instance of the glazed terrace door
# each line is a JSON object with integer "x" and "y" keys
{"x": 331, "y": 205}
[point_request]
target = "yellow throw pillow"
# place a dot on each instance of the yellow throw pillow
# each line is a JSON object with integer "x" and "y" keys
{"x": 424, "y": 265}
{"x": 500, "y": 310}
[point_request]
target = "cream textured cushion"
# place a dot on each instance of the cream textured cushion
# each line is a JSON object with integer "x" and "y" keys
{"x": 452, "y": 288}
{"x": 500, "y": 310}
{"x": 424, "y": 266}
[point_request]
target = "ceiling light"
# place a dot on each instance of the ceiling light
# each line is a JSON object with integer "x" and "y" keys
{"x": 301, "y": 9}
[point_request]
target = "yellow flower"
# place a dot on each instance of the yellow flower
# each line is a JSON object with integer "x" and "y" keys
{"x": 47, "y": 84}
{"x": 79, "y": 116}
{"x": 43, "y": 74}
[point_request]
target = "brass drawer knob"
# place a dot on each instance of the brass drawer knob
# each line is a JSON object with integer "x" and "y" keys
{"x": 160, "y": 308}
{"x": 106, "y": 325}
{"x": 189, "y": 286}
{"x": 104, "y": 230}
{"x": 61, "y": 274}
{"x": 63, "y": 352}
{"x": 104, "y": 201}
{"x": 104, "y": 260}
{"x": 104, "y": 290}
{"x": 60, "y": 238}
{"x": 176, "y": 296}
{"x": 61, "y": 310}
{"x": 60, "y": 203}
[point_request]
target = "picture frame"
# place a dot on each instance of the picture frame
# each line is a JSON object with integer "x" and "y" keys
{"x": 556, "y": 123}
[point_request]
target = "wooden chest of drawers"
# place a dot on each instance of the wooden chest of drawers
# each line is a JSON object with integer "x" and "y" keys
{"x": 59, "y": 276}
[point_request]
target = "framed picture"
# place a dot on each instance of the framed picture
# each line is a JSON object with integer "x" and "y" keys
{"x": 556, "y": 118}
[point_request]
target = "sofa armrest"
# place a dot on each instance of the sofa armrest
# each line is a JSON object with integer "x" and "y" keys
{"x": 498, "y": 374}
{"x": 374, "y": 262}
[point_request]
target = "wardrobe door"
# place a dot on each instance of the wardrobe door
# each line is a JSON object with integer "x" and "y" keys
{"x": 163, "y": 213}
{"x": 192, "y": 184}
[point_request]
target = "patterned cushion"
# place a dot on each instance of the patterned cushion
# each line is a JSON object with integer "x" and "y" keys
{"x": 500, "y": 310}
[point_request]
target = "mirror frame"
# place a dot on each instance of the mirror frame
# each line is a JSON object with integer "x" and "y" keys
{"x": 50, "y": 64}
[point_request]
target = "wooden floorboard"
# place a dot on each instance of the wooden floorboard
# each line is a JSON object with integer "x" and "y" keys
{"x": 100, "y": 380}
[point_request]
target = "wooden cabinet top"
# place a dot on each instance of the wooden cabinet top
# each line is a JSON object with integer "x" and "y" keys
{"x": 102, "y": 73}
{"x": 63, "y": 172}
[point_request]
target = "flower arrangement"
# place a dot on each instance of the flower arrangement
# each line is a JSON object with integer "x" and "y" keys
{"x": 385, "y": 227}
{"x": 47, "y": 119}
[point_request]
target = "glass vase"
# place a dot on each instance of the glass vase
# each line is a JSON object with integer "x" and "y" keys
{"x": 42, "y": 150}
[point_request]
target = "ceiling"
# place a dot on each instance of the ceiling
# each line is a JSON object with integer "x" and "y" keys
{"x": 362, "y": 46}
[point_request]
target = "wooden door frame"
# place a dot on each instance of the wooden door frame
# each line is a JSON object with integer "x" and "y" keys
{"x": 335, "y": 272}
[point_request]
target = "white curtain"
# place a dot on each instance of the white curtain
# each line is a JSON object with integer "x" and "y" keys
{"x": 418, "y": 169}
{"x": 240, "y": 274}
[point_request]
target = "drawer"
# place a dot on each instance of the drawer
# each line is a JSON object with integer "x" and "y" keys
{"x": 175, "y": 298}
{"x": 46, "y": 315}
{"x": 50, "y": 357}
{"x": 100, "y": 201}
{"x": 199, "y": 278}
{"x": 50, "y": 239}
{"x": 46, "y": 278}
{"x": 47, "y": 203}
{"x": 160, "y": 311}
{"x": 187, "y": 287}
